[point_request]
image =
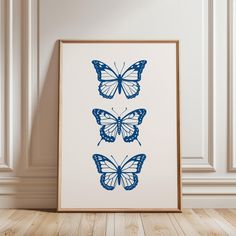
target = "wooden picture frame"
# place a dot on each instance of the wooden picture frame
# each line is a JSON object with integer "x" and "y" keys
{"x": 119, "y": 126}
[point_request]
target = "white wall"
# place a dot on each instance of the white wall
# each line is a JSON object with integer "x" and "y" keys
{"x": 29, "y": 30}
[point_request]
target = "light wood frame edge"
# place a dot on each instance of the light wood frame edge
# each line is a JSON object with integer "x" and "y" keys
{"x": 179, "y": 169}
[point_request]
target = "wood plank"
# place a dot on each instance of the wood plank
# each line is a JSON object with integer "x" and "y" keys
{"x": 133, "y": 225}
{"x": 233, "y": 210}
{"x": 110, "y": 229}
{"x": 175, "y": 224}
{"x": 50, "y": 225}
{"x": 185, "y": 225}
{"x": 212, "y": 227}
{"x": 223, "y": 223}
{"x": 194, "y": 220}
{"x": 36, "y": 223}
{"x": 229, "y": 216}
{"x": 70, "y": 224}
{"x": 87, "y": 224}
{"x": 4, "y": 217}
{"x": 157, "y": 224}
{"x": 190, "y": 222}
{"x": 18, "y": 222}
{"x": 119, "y": 224}
{"x": 128, "y": 224}
{"x": 100, "y": 224}
{"x": 200, "y": 226}
{"x": 6, "y": 213}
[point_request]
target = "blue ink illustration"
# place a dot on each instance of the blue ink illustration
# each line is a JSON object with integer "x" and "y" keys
{"x": 126, "y": 126}
{"x": 123, "y": 174}
{"x": 111, "y": 81}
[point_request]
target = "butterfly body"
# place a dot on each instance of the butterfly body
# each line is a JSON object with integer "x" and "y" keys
{"x": 125, "y": 126}
{"x": 119, "y": 172}
{"x": 113, "y": 174}
{"x": 119, "y": 124}
{"x": 111, "y": 82}
{"x": 119, "y": 80}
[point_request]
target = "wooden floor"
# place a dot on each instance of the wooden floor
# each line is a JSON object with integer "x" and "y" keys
{"x": 191, "y": 222}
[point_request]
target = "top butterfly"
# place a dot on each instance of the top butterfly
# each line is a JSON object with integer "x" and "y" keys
{"x": 110, "y": 81}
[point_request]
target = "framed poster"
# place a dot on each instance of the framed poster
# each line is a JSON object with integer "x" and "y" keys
{"x": 119, "y": 134}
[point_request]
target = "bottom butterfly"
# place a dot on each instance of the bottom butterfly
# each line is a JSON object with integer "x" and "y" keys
{"x": 124, "y": 174}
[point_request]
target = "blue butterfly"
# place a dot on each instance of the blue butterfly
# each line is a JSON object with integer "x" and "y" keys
{"x": 124, "y": 174}
{"x": 110, "y": 81}
{"x": 111, "y": 126}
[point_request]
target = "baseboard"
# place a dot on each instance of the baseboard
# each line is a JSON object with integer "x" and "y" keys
{"x": 27, "y": 202}
{"x": 209, "y": 201}
{"x": 50, "y": 203}
{"x": 40, "y": 193}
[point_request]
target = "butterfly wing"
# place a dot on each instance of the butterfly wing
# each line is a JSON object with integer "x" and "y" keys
{"x": 129, "y": 124}
{"x": 108, "y": 131}
{"x": 130, "y": 79}
{"x": 108, "y": 170}
{"x": 130, "y": 169}
{"x": 108, "y": 79}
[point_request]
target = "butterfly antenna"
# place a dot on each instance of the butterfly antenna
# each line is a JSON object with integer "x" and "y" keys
{"x": 122, "y": 68}
{"x": 114, "y": 111}
{"x": 123, "y": 111}
{"x": 138, "y": 142}
{"x": 124, "y": 160}
{"x": 99, "y": 142}
{"x": 114, "y": 160}
{"x": 116, "y": 68}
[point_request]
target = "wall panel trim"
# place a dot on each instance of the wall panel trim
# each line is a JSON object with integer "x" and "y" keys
{"x": 7, "y": 66}
{"x": 31, "y": 83}
{"x": 231, "y": 86}
{"x": 206, "y": 163}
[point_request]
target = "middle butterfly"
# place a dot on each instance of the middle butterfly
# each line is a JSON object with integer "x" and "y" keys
{"x": 111, "y": 81}
{"x": 126, "y": 126}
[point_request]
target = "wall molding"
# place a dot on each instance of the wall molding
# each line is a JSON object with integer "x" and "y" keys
{"x": 231, "y": 86}
{"x": 206, "y": 164}
{"x": 209, "y": 192}
{"x": 41, "y": 192}
{"x": 31, "y": 83}
{"x": 23, "y": 192}
{"x": 7, "y": 73}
